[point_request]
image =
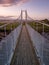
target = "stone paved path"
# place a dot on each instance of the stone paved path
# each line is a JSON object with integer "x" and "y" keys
{"x": 24, "y": 54}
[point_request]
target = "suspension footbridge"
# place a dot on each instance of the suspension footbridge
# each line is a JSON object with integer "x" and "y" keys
{"x": 24, "y": 45}
{"x": 24, "y": 53}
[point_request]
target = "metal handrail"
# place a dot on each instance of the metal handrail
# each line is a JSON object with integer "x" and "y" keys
{"x": 4, "y": 25}
{"x": 43, "y": 23}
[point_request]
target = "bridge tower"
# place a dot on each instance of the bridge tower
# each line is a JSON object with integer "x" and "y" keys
{"x": 25, "y": 11}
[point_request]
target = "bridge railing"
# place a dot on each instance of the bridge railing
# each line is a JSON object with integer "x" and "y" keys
{"x": 8, "y": 45}
{"x": 4, "y": 28}
{"x": 41, "y": 45}
{"x": 44, "y": 26}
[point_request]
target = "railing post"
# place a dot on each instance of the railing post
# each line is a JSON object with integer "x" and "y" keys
{"x": 43, "y": 28}
{"x": 5, "y": 30}
{"x": 42, "y": 45}
{"x": 37, "y": 26}
{"x": 11, "y": 26}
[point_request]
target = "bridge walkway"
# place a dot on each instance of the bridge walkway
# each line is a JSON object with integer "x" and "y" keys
{"x": 24, "y": 53}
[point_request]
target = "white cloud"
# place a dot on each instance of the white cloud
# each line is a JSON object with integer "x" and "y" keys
{"x": 12, "y": 2}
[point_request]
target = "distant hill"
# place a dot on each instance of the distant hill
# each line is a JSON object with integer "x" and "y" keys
{"x": 45, "y": 21}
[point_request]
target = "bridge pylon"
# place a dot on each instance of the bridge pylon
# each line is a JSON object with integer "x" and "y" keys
{"x": 25, "y": 11}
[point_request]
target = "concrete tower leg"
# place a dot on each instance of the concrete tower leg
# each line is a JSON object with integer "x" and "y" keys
{"x": 26, "y": 15}
{"x": 21, "y": 15}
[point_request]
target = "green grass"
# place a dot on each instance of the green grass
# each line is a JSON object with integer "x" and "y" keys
{"x": 8, "y": 27}
{"x": 2, "y": 23}
{"x": 13, "y": 25}
{"x": 40, "y": 27}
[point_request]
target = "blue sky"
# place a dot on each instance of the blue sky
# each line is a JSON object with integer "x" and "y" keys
{"x": 37, "y": 9}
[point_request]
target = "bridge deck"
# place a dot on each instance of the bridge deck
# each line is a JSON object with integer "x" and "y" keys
{"x": 24, "y": 53}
